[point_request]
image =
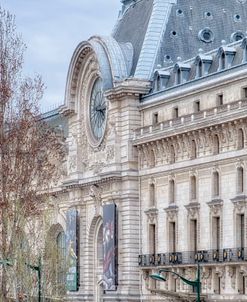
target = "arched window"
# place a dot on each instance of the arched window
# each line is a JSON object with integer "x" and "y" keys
{"x": 240, "y": 139}
{"x": 216, "y": 144}
{"x": 216, "y": 184}
{"x": 152, "y": 201}
{"x": 172, "y": 191}
{"x": 193, "y": 149}
{"x": 61, "y": 259}
{"x": 193, "y": 188}
{"x": 240, "y": 180}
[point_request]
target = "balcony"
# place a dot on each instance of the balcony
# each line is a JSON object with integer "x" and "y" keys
{"x": 202, "y": 118}
{"x": 185, "y": 258}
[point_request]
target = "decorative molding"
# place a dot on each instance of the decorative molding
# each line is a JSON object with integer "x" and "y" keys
{"x": 239, "y": 202}
{"x": 152, "y": 214}
{"x": 193, "y": 209}
{"x": 215, "y": 206}
{"x": 232, "y": 274}
{"x": 172, "y": 212}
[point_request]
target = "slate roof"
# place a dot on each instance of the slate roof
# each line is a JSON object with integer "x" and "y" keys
{"x": 162, "y": 30}
{"x": 132, "y": 26}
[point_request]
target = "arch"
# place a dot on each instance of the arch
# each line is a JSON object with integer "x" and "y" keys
{"x": 55, "y": 272}
{"x": 90, "y": 258}
{"x": 108, "y": 56}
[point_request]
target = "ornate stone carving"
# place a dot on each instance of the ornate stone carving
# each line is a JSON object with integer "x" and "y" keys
{"x": 172, "y": 212}
{"x": 232, "y": 274}
{"x": 193, "y": 210}
{"x": 215, "y": 206}
{"x": 220, "y": 271}
{"x": 240, "y": 203}
{"x": 95, "y": 193}
{"x": 152, "y": 214}
{"x": 207, "y": 276}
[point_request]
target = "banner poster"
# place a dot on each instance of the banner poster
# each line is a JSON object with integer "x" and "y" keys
{"x": 72, "y": 236}
{"x": 110, "y": 247}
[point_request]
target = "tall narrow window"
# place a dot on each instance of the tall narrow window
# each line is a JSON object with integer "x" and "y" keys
{"x": 179, "y": 76}
{"x": 152, "y": 202}
{"x": 155, "y": 118}
{"x": 151, "y": 159}
{"x": 197, "y": 106}
{"x": 171, "y": 191}
{"x": 172, "y": 237}
{"x": 175, "y": 112}
{"x": 216, "y": 233}
{"x": 193, "y": 235}
{"x": 223, "y": 61}
{"x": 193, "y": 149}
{"x": 172, "y": 154}
{"x": 240, "y": 139}
{"x": 220, "y": 100}
{"x": 61, "y": 258}
{"x": 152, "y": 239}
{"x": 240, "y": 231}
{"x": 200, "y": 65}
{"x": 240, "y": 180}
{"x": 216, "y": 184}
{"x": 216, "y": 144}
{"x": 193, "y": 189}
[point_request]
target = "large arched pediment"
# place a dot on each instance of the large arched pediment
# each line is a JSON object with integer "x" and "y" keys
{"x": 103, "y": 55}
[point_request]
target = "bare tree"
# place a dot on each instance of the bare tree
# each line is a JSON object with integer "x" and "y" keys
{"x": 29, "y": 153}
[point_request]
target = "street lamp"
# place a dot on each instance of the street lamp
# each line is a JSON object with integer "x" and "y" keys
{"x": 196, "y": 283}
{"x": 33, "y": 267}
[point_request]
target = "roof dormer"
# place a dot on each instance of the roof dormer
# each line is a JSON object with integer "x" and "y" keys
{"x": 182, "y": 72}
{"x": 226, "y": 55}
{"x": 203, "y": 64}
{"x": 161, "y": 78}
{"x": 244, "y": 46}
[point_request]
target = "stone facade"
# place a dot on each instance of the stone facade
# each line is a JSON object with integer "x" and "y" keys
{"x": 172, "y": 156}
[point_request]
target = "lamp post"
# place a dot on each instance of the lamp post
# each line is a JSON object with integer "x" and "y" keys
{"x": 33, "y": 267}
{"x": 38, "y": 269}
{"x": 196, "y": 283}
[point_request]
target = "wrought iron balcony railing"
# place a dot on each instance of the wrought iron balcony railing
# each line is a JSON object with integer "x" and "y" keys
{"x": 204, "y": 256}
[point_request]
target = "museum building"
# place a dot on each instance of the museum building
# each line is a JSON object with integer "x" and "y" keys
{"x": 155, "y": 174}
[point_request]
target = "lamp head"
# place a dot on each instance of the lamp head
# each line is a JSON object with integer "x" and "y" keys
{"x": 157, "y": 277}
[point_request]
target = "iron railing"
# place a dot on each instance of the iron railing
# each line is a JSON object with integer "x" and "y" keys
{"x": 203, "y": 256}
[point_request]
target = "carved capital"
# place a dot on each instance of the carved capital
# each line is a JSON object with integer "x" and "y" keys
{"x": 215, "y": 206}
{"x": 193, "y": 209}
{"x": 172, "y": 212}
{"x": 152, "y": 214}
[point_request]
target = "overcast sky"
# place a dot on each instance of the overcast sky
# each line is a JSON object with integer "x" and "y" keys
{"x": 52, "y": 29}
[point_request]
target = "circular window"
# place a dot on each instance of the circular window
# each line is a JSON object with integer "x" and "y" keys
{"x": 206, "y": 35}
{"x": 237, "y": 18}
{"x": 208, "y": 15}
{"x": 237, "y": 36}
{"x": 179, "y": 12}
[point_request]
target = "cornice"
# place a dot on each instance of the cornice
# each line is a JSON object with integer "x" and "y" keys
{"x": 193, "y": 122}
{"x": 128, "y": 87}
